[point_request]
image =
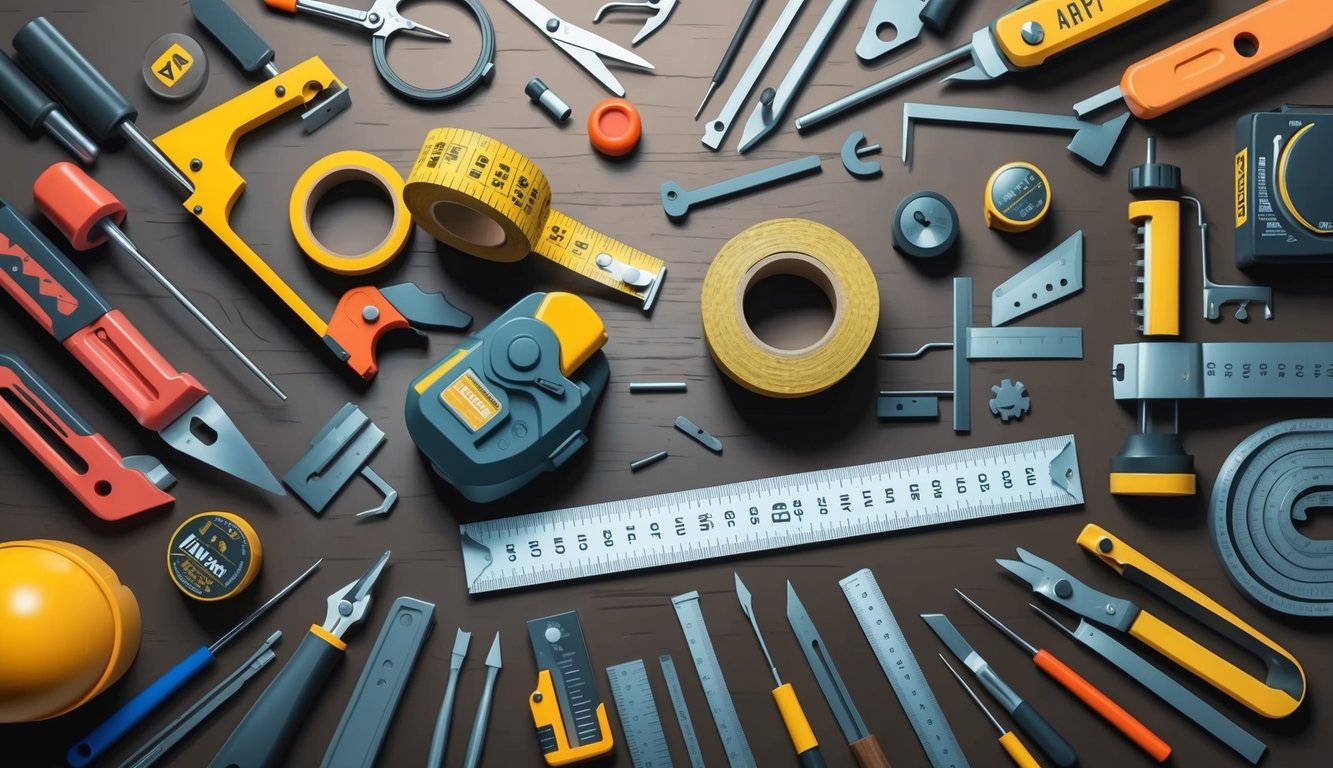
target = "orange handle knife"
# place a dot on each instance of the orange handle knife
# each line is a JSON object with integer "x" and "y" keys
{"x": 1112, "y": 712}
{"x": 1230, "y": 51}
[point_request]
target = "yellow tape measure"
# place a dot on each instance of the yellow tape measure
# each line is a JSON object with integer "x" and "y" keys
{"x": 789, "y": 247}
{"x": 484, "y": 198}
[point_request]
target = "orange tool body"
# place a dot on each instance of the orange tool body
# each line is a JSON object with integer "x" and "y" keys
{"x": 1211, "y": 60}
{"x": 1088, "y": 693}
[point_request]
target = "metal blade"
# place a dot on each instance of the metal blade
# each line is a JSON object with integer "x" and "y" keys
{"x": 951, "y": 637}
{"x": 367, "y": 580}
{"x": 747, "y": 607}
{"x": 461, "y": 642}
{"x": 1031, "y": 574}
{"x": 826, "y": 674}
{"x": 1104, "y": 99}
{"x": 594, "y": 66}
{"x": 598, "y": 45}
{"x": 208, "y": 434}
{"x": 988, "y": 62}
{"x": 493, "y": 656}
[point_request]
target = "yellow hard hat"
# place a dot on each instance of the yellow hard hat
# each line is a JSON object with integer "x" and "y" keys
{"x": 71, "y": 629}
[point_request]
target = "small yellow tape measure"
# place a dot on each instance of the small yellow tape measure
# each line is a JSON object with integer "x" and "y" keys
{"x": 789, "y": 247}
{"x": 481, "y": 197}
{"x": 335, "y": 170}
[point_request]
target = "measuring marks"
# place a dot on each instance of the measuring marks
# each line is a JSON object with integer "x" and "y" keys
{"x": 728, "y": 724}
{"x": 638, "y": 715}
{"x": 683, "y": 718}
{"x": 901, "y": 668}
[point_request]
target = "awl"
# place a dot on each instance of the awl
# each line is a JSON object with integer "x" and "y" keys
{"x": 174, "y": 404}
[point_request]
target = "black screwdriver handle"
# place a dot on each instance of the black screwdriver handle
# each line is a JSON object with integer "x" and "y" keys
{"x": 28, "y": 102}
{"x": 936, "y": 14}
{"x": 747, "y": 21}
{"x": 1044, "y": 735}
{"x": 70, "y": 77}
{"x": 236, "y": 37}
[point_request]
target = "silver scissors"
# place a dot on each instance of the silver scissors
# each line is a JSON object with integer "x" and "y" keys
{"x": 586, "y": 48}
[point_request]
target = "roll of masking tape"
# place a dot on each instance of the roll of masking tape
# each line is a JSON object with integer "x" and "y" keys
{"x": 804, "y": 249}
{"x": 483, "y": 198}
{"x": 335, "y": 170}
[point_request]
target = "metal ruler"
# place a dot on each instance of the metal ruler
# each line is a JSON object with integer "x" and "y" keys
{"x": 683, "y": 718}
{"x": 638, "y": 715}
{"x": 900, "y": 666}
{"x": 1270, "y": 482}
{"x": 1180, "y": 370}
{"x": 758, "y": 515}
{"x": 728, "y": 724}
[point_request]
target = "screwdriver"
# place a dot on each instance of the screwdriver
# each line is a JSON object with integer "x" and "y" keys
{"x": 86, "y": 93}
{"x": 1022, "y": 757}
{"x": 1099, "y": 702}
{"x": 89, "y": 215}
{"x": 793, "y": 717}
{"x": 34, "y": 108}
{"x": 724, "y": 66}
{"x": 150, "y": 698}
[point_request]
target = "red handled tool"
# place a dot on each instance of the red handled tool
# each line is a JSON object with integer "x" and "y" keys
{"x": 111, "y": 486}
{"x": 174, "y": 404}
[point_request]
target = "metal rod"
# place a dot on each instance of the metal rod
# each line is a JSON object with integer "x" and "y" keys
{"x": 646, "y": 461}
{"x": 656, "y": 387}
{"x": 813, "y": 118}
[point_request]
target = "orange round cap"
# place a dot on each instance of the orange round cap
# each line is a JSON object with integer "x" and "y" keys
{"x": 76, "y": 204}
{"x": 614, "y": 127}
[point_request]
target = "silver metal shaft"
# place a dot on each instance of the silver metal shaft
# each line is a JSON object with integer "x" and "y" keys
{"x": 115, "y": 234}
{"x": 145, "y": 147}
{"x": 70, "y": 137}
{"x": 812, "y": 119}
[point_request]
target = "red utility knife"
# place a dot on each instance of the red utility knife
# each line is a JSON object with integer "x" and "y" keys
{"x": 174, "y": 404}
{"x": 109, "y": 485}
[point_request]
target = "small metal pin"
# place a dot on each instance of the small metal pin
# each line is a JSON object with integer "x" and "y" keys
{"x": 656, "y": 387}
{"x": 647, "y": 461}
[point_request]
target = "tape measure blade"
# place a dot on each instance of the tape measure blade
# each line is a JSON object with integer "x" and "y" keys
{"x": 638, "y": 715}
{"x": 773, "y": 513}
{"x": 902, "y": 670}
{"x": 720, "y": 706}
{"x": 683, "y": 718}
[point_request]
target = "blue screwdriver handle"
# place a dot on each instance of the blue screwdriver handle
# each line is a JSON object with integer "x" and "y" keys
{"x": 128, "y": 716}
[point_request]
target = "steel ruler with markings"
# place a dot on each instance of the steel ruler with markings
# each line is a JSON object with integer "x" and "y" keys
{"x": 720, "y": 705}
{"x": 638, "y": 715}
{"x": 683, "y": 718}
{"x": 779, "y": 512}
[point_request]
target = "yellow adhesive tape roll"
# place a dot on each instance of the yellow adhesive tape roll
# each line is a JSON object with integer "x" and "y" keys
{"x": 789, "y": 247}
{"x": 481, "y": 197}
{"x": 335, "y": 170}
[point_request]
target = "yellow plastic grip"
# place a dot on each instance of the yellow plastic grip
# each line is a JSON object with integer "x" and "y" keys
{"x": 328, "y": 637}
{"x": 798, "y": 728}
{"x": 1151, "y": 484}
{"x": 546, "y": 712}
{"x": 576, "y": 324}
{"x": 1020, "y": 754}
{"x": 1160, "y": 220}
{"x": 1063, "y": 24}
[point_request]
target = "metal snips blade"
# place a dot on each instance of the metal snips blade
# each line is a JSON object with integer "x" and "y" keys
{"x": 1055, "y": 584}
{"x": 349, "y": 605}
{"x": 988, "y": 61}
{"x": 585, "y": 47}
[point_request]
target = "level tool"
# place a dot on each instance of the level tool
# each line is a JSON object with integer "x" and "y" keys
{"x": 566, "y": 707}
{"x": 638, "y": 715}
{"x": 683, "y": 718}
{"x": 774, "y": 513}
{"x": 691, "y": 618}
{"x": 901, "y": 668}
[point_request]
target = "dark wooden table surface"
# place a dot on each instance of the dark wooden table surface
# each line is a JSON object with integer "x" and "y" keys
{"x": 630, "y": 616}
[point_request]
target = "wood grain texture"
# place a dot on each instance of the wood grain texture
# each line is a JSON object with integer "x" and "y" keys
{"x": 630, "y": 616}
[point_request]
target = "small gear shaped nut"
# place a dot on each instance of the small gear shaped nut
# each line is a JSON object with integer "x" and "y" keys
{"x": 1010, "y": 401}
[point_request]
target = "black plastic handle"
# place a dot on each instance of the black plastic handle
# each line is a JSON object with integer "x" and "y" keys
{"x": 73, "y": 79}
{"x": 737, "y": 39}
{"x": 265, "y": 733}
{"x": 936, "y": 14}
{"x": 236, "y": 37}
{"x": 812, "y": 758}
{"x": 29, "y": 103}
{"x": 1044, "y": 735}
{"x": 38, "y": 276}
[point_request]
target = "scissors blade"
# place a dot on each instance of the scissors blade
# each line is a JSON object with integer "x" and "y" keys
{"x": 594, "y": 66}
{"x": 578, "y": 36}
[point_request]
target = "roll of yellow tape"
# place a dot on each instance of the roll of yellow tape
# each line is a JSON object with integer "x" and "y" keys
{"x": 789, "y": 247}
{"x": 483, "y": 198}
{"x": 334, "y": 170}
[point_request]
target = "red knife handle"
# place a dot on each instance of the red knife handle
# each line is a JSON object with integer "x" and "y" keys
{"x": 34, "y": 271}
{"x": 132, "y": 369}
{"x": 81, "y": 459}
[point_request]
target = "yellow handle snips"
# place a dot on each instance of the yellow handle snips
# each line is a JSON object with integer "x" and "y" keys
{"x": 1278, "y": 695}
{"x": 1034, "y": 32}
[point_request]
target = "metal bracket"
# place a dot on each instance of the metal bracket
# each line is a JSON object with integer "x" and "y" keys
{"x": 341, "y": 450}
{"x": 1055, "y": 276}
{"x": 1093, "y": 142}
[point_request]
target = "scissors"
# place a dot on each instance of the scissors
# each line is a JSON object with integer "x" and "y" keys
{"x": 586, "y": 48}
{"x": 384, "y": 21}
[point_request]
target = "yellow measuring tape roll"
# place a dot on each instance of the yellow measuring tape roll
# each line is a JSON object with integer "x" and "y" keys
{"x": 343, "y": 168}
{"x": 789, "y": 247}
{"x": 483, "y": 198}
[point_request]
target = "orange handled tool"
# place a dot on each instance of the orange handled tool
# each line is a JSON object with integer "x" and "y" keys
{"x": 1088, "y": 693}
{"x": 1217, "y": 57}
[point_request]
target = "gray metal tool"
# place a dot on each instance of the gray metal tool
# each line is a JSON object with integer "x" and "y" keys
{"x": 1215, "y": 295}
{"x": 906, "y": 18}
{"x": 440, "y": 737}
{"x": 659, "y": 10}
{"x": 158, "y": 746}
{"x": 691, "y": 618}
{"x": 1269, "y": 483}
{"x": 901, "y": 668}
{"x": 366, "y": 720}
{"x": 1164, "y": 687}
{"x": 35, "y": 109}
{"x": 851, "y": 155}
{"x": 1054, "y": 277}
{"x": 698, "y": 434}
{"x": 1042, "y": 733}
{"x": 677, "y": 201}
{"x": 341, "y": 450}
{"x": 584, "y": 47}
{"x": 683, "y": 718}
{"x": 863, "y": 744}
{"x": 729, "y": 56}
{"x": 981, "y": 343}
{"x": 715, "y": 130}
{"x": 1182, "y": 370}
{"x": 1093, "y": 142}
{"x": 1009, "y": 400}
{"x": 567, "y": 708}
{"x": 773, "y": 102}
{"x": 478, "y": 738}
{"x": 638, "y": 715}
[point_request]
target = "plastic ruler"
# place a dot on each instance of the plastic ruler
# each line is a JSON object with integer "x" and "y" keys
{"x": 758, "y": 515}
{"x": 900, "y": 666}
{"x": 728, "y": 723}
{"x": 638, "y": 715}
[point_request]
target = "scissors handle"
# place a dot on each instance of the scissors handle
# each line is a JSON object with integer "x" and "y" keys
{"x": 482, "y": 71}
